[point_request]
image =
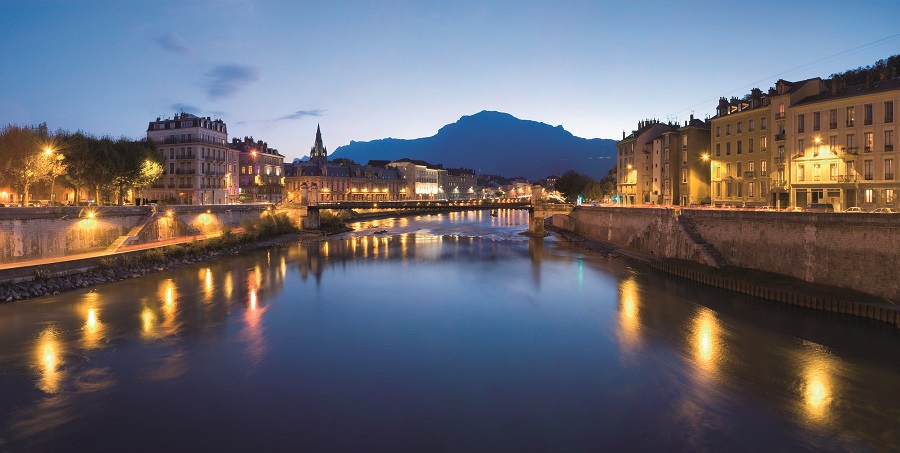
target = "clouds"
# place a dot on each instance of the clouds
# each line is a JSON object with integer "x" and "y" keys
{"x": 300, "y": 114}
{"x": 225, "y": 80}
{"x": 172, "y": 42}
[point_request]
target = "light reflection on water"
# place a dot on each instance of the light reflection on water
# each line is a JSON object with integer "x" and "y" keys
{"x": 441, "y": 324}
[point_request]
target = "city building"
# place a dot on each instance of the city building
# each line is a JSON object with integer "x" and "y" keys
{"x": 423, "y": 180}
{"x": 691, "y": 181}
{"x": 318, "y": 180}
{"x": 199, "y": 166}
{"x": 638, "y": 159}
{"x": 461, "y": 184}
{"x": 841, "y": 141}
{"x": 261, "y": 178}
{"x": 744, "y": 169}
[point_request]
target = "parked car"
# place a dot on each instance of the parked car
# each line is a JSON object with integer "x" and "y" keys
{"x": 854, "y": 209}
{"x": 793, "y": 209}
{"x": 819, "y": 207}
{"x": 765, "y": 208}
{"x": 885, "y": 211}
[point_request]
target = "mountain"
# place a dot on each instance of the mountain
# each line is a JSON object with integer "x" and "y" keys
{"x": 496, "y": 143}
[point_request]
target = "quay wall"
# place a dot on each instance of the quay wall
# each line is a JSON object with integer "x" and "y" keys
{"x": 848, "y": 250}
{"x": 35, "y": 233}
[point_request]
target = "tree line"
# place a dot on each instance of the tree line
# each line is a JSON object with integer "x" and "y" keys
{"x": 572, "y": 184}
{"x": 33, "y": 157}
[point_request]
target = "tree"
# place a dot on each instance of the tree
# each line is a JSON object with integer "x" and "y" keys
{"x": 571, "y": 184}
{"x": 22, "y": 158}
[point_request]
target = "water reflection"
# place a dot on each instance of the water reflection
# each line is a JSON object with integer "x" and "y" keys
{"x": 629, "y": 315}
{"x": 707, "y": 345}
{"x": 49, "y": 360}
{"x": 817, "y": 386}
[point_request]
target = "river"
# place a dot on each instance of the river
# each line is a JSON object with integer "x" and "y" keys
{"x": 438, "y": 333}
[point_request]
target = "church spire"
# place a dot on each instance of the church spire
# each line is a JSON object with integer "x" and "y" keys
{"x": 318, "y": 154}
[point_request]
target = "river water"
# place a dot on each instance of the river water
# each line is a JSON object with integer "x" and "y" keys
{"x": 442, "y": 333}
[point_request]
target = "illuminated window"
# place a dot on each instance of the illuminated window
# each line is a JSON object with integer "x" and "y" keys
{"x": 890, "y": 196}
{"x": 762, "y": 143}
{"x": 870, "y": 142}
{"x": 869, "y": 195}
{"x": 832, "y": 173}
{"x": 889, "y": 169}
{"x": 801, "y": 149}
{"x": 851, "y": 116}
{"x": 762, "y": 168}
{"x": 817, "y": 172}
{"x": 750, "y": 189}
{"x": 800, "y": 173}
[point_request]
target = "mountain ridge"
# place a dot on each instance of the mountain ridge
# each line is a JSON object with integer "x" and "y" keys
{"x": 494, "y": 142}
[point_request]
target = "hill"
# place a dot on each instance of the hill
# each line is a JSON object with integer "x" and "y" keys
{"x": 496, "y": 143}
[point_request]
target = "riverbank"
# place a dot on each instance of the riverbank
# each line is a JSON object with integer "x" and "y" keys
{"x": 773, "y": 287}
{"x": 112, "y": 268}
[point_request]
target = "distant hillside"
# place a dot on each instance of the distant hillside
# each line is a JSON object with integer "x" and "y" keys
{"x": 496, "y": 143}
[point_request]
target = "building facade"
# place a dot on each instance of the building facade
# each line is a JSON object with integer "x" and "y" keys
{"x": 461, "y": 184}
{"x": 318, "y": 181}
{"x": 423, "y": 181}
{"x": 261, "y": 178}
{"x": 199, "y": 166}
{"x": 638, "y": 159}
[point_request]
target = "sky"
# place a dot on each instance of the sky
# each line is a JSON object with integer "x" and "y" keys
{"x": 372, "y": 69}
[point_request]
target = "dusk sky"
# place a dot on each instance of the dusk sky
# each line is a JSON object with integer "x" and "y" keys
{"x": 367, "y": 70}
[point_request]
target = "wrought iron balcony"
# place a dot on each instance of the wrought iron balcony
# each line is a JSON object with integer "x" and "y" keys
{"x": 749, "y": 174}
{"x": 846, "y": 179}
{"x": 888, "y": 147}
{"x": 780, "y": 137}
{"x": 779, "y": 160}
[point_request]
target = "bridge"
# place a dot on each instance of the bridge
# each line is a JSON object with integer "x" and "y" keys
{"x": 537, "y": 210}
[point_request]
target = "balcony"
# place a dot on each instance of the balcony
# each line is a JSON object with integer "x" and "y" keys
{"x": 185, "y": 156}
{"x": 868, "y": 149}
{"x": 832, "y": 125}
{"x": 185, "y": 171}
{"x": 850, "y": 123}
{"x": 175, "y": 140}
{"x": 779, "y": 116}
{"x": 185, "y": 186}
{"x": 888, "y": 147}
{"x": 889, "y": 176}
{"x": 780, "y": 137}
{"x": 849, "y": 153}
{"x": 749, "y": 174}
{"x": 779, "y": 160}
{"x": 845, "y": 179}
{"x": 779, "y": 186}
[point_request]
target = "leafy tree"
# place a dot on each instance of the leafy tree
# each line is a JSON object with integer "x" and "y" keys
{"x": 571, "y": 184}
{"x": 22, "y": 157}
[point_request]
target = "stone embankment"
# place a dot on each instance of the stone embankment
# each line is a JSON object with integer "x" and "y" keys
{"x": 104, "y": 272}
{"x": 830, "y": 262}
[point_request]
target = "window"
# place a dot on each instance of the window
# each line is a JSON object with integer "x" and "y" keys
{"x": 739, "y": 172}
{"x": 683, "y": 175}
{"x": 750, "y": 189}
{"x": 762, "y": 168}
{"x": 870, "y": 195}
{"x": 684, "y": 141}
{"x": 889, "y": 169}
{"x": 718, "y": 149}
{"x": 832, "y": 144}
{"x": 832, "y": 119}
{"x": 817, "y": 121}
{"x": 718, "y": 171}
{"x": 727, "y": 190}
{"x": 750, "y": 126}
{"x": 728, "y": 169}
{"x": 801, "y": 123}
{"x": 870, "y": 144}
{"x": 851, "y": 142}
{"x": 762, "y": 143}
{"x": 867, "y": 110}
{"x": 740, "y": 127}
{"x": 719, "y": 190}
{"x": 888, "y": 140}
{"x": 750, "y": 166}
{"x": 740, "y": 190}
{"x": 728, "y": 149}
{"x": 749, "y": 145}
{"x": 800, "y": 174}
{"x": 727, "y": 129}
{"x": 832, "y": 172}
{"x": 851, "y": 168}
{"x": 851, "y": 116}
{"x": 684, "y": 157}
{"x": 718, "y": 131}
{"x": 889, "y": 111}
{"x": 762, "y": 123}
{"x": 817, "y": 172}
{"x": 800, "y": 147}
{"x": 739, "y": 147}
{"x": 867, "y": 170}
{"x": 780, "y": 111}
{"x": 890, "y": 196}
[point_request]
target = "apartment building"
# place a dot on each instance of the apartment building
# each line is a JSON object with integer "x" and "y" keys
{"x": 842, "y": 145}
{"x": 744, "y": 169}
{"x": 638, "y": 156}
{"x": 261, "y": 178}
{"x": 199, "y": 166}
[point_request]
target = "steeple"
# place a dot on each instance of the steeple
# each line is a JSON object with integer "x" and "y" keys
{"x": 318, "y": 154}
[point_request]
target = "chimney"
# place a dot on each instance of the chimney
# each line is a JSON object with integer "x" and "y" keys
{"x": 836, "y": 85}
